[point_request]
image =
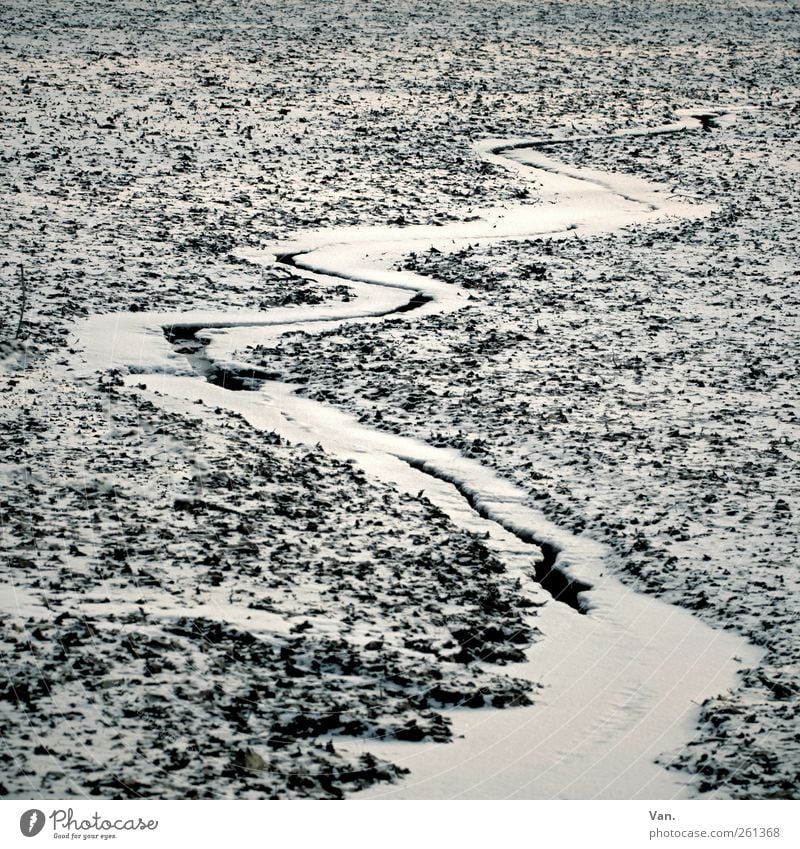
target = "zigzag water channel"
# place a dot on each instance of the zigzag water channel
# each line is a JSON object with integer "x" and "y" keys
{"x": 622, "y": 673}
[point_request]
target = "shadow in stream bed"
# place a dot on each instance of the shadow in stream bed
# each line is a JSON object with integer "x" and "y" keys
{"x": 552, "y": 579}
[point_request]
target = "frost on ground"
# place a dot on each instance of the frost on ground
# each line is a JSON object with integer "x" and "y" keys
{"x": 641, "y": 385}
{"x": 141, "y": 145}
{"x": 196, "y": 610}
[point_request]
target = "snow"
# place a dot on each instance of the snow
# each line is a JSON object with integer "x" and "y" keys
{"x": 603, "y": 364}
{"x": 633, "y": 695}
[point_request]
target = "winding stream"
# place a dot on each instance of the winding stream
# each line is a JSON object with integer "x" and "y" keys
{"x": 623, "y": 673}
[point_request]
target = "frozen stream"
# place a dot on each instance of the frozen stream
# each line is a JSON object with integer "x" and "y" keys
{"x": 623, "y": 673}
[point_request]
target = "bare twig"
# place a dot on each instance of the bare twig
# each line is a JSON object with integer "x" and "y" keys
{"x": 24, "y": 299}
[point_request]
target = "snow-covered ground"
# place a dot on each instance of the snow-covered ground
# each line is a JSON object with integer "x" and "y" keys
{"x": 664, "y": 414}
{"x": 195, "y": 606}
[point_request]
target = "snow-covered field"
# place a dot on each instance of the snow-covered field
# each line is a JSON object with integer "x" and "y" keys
{"x": 337, "y": 578}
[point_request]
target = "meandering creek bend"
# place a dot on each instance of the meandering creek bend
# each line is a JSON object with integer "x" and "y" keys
{"x": 622, "y": 673}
